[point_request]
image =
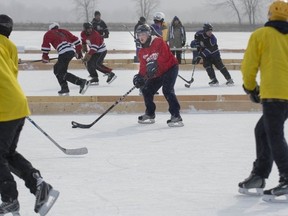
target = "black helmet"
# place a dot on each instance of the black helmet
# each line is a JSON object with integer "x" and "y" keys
{"x": 87, "y": 26}
{"x": 96, "y": 13}
{"x": 207, "y": 27}
{"x": 6, "y": 25}
{"x": 144, "y": 28}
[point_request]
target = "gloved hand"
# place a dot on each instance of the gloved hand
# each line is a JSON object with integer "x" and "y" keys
{"x": 78, "y": 55}
{"x": 45, "y": 58}
{"x": 183, "y": 43}
{"x": 152, "y": 68}
{"x": 196, "y": 60}
{"x": 84, "y": 48}
{"x": 86, "y": 58}
{"x": 254, "y": 95}
{"x": 138, "y": 81}
{"x": 195, "y": 44}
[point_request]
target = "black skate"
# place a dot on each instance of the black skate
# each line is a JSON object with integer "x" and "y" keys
{"x": 277, "y": 194}
{"x": 253, "y": 185}
{"x": 230, "y": 82}
{"x": 94, "y": 81}
{"x": 46, "y": 197}
{"x": 84, "y": 86}
{"x": 64, "y": 92}
{"x": 10, "y": 207}
{"x": 111, "y": 77}
{"x": 146, "y": 119}
{"x": 175, "y": 121}
{"x": 214, "y": 82}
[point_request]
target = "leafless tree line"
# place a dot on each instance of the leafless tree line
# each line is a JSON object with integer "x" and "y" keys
{"x": 242, "y": 9}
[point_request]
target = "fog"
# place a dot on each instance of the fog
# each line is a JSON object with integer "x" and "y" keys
{"x": 116, "y": 11}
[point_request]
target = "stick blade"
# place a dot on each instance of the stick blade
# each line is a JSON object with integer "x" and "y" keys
{"x": 78, "y": 125}
{"x": 78, "y": 151}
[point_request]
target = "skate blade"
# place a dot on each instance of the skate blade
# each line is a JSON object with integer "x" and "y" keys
{"x": 148, "y": 121}
{"x": 87, "y": 84}
{"x": 276, "y": 199}
{"x": 251, "y": 191}
{"x": 94, "y": 84}
{"x": 175, "y": 124}
{"x": 113, "y": 78}
{"x": 53, "y": 196}
{"x": 214, "y": 85}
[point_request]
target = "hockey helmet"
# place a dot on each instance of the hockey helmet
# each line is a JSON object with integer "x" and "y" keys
{"x": 97, "y": 13}
{"x": 87, "y": 25}
{"x": 143, "y": 29}
{"x": 278, "y": 10}
{"x": 6, "y": 25}
{"x": 54, "y": 25}
{"x": 207, "y": 27}
{"x": 159, "y": 16}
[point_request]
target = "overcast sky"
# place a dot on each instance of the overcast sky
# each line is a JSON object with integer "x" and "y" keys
{"x": 64, "y": 11}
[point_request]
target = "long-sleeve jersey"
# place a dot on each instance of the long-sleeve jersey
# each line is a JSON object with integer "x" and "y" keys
{"x": 159, "y": 51}
{"x": 267, "y": 50}
{"x": 95, "y": 42}
{"x": 101, "y": 27}
{"x": 62, "y": 40}
{"x": 13, "y": 102}
{"x": 209, "y": 46}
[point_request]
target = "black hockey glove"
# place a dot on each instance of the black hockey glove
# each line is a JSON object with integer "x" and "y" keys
{"x": 152, "y": 68}
{"x": 254, "y": 95}
{"x": 138, "y": 81}
{"x": 196, "y": 60}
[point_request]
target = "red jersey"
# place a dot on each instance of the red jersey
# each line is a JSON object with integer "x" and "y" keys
{"x": 61, "y": 39}
{"x": 159, "y": 51}
{"x": 95, "y": 42}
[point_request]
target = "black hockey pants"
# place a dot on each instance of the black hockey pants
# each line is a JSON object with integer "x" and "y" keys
{"x": 12, "y": 161}
{"x": 217, "y": 61}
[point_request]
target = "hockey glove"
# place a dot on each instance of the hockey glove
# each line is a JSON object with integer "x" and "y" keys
{"x": 86, "y": 58}
{"x": 79, "y": 55}
{"x": 138, "y": 81}
{"x": 45, "y": 58}
{"x": 84, "y": 48}
{"x": 152, "y": 68}
{"x": 196, "y": 60}
{"x": 254, "y": 95}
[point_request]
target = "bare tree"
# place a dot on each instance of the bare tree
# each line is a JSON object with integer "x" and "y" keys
{"x": 85, "y": 9}
{"x": 146, "y": 7}
{"x": 232, "y": 4}
{"x": 251, "y": 8}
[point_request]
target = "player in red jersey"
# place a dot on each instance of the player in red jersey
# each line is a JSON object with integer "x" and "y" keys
{"x": 158, "y": 68}
{"x": 64, "y": 42}
{"x": 95, "y": 56}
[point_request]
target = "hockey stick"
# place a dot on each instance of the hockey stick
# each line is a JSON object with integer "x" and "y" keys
{"x": 129, "y": 31}
{"x": 33, "y": 61}
{"x": 79, "y": 125}
{"x": 183, "y": 78}
{"x": 78, "y": 151}
{"x": 192, "y": 79}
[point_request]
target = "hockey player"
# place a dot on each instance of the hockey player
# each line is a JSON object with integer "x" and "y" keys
{"x": 99, "y": 25}
{"x": 267, "y": 50}
{"x": 13, "y": 110}
{"x": 206, "y": 43}
{"x": 158, "y": 68}
{"x": 95, "y": 56}
{"x": 160, "y": 27}
{"x": 63, "y": 41}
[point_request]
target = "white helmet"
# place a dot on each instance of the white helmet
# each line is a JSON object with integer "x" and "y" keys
{"x": 159, "y": 16}
{"x": 53, "y": 25}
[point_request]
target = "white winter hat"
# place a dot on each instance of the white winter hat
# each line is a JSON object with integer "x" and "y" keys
{"x": 53, "y": 25}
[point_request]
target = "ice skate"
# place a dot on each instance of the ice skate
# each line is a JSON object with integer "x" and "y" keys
{"x": 175, "y": 121}
{"x": 12, "y": 207}
{"x": 111, "y": 77}
{"x": 84, "y": 86}
{"x": 94, "y": 81}
{"x": 230, "y": 82}
{"x": 278, "y": 194}
{"x": 214, "y": 82}
{"x": 253, "y": 185}
{"x": 146, "y": 119}
{"x": 46, "y": 197}
{"x": 64, "y": 91}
